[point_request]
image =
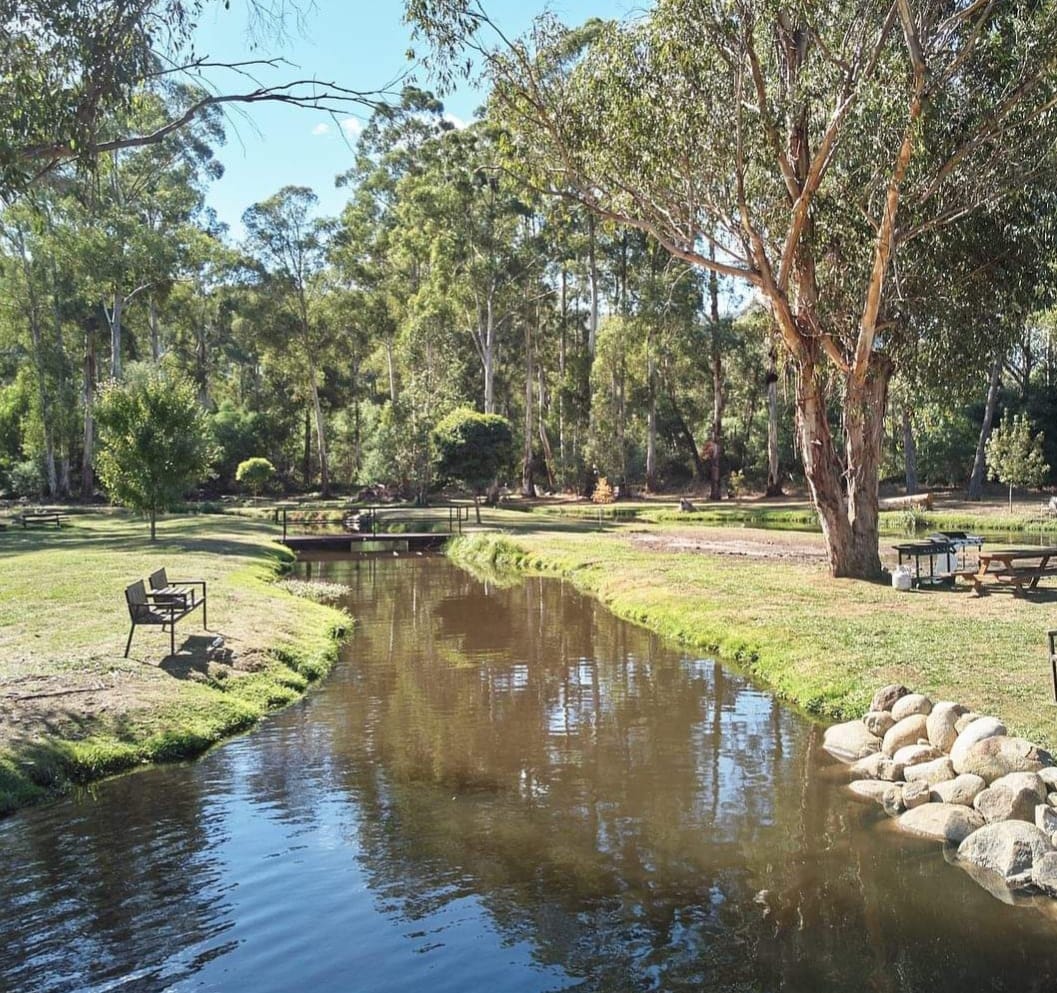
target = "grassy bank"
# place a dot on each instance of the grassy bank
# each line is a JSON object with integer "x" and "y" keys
{"x": 821, "y": 643}
{"x": 75, "y": 709}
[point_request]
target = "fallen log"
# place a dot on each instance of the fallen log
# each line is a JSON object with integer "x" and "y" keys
{"x": 922, "y": 500}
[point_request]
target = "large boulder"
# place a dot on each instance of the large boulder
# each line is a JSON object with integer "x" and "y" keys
{"x": 877, "y": 766}
{"x": 870, "y": 789}
{"x": 1009, "y": 849}
{"x": 916, "y": 754}
{"x": 998, "y": 756}
{"x": 1044, "y": 874}
{"x": 940, "y": 725}
{"x": 886, "y": 697}
{"x": 961, "y": 790}
{"x": 1046, "y": 819}
{"x": 1023, "y": 781}
{"x": 912, "y": 703}
{"x": 878, "y": 722}
{"x": 892, "y": 800}
{"x": 946, "y": 822}
{"x": 1049, "y": 777}
{"x": 1006, "y": 803}
{"x": 915, "y": 795}
{"x": 908, "y": 731}
{"x": 965, "y": 720}
{"x": 978, "y": 730}
{"x": 850, "y": 741}
{"x": 937, "y": 771}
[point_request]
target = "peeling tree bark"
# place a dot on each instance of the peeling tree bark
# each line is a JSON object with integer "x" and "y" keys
{"x": 976, "y": 479}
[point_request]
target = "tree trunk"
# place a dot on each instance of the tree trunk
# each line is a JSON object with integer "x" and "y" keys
{"x": 88, "y": 446}
{"x": 321, "y": 441}
{"x": 391, "y": 369}
{"x": 488, "y": 355}
{"x": 306, "y": 458}
{"x": 115, "y": 336}
{"x": 155, "y": 331}
{"x": 477, "y": 507}
{"x": 593, "y": 288}
{"x": 153, "y": 522}
{"x": 651, "y": 424}
{"x": 718, "y": 397}
{"x": 527, "y": 484}
{"x": 910, "y": 454}
{"x": 846, "y": 499}
{"x": 976, "y": 479}
{"x": 774, "y": 481}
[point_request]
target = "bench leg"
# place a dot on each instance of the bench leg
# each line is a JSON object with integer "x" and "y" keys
{"x": 172, "y": 639}
{"x": 205, "y": 607}
{"x": 1053, "y": 675}
{"x": 128, "y": 644}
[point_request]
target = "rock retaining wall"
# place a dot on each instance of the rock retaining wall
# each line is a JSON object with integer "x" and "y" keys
{"x": 957, "y": 777}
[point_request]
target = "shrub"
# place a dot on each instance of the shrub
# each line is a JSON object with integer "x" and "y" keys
{"x": 255, "y": 474}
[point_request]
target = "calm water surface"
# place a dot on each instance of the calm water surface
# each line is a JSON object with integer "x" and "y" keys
{"x": 499, "y": 790}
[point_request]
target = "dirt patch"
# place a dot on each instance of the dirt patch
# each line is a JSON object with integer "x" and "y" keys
{"x": 740, "y": 543}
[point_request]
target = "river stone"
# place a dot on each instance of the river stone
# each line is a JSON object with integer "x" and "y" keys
{"x": 1044, "y": 874}
{"x": 1024, "y": 780}
{"x": 965, "y": 720}
{"x": 850, "y": 741}
{"x": 942, "y": 822}
{"x": 1049, "y": 777}
{"x": 937, "y": 771}
{"x": 916, "y": 754}
{"x": 978, "y": 730}
{"x": 870, "y": 789}
{"x": 1008, "y": 849}
{"x": 1005, "y": 803}
{"x": 1051, "y": 799}
{"x": 877, "y": 766}
{"x": 998, "y": 756}
{"x": 1046, "y": 818}
{"x": 878, "y": 722}
{"x": 886, "y": 697}
{"x": 915, "y": 795}
{"x": 908, "y": 731}
{"x": 912, "y": 703}
{"x": 892, "y": 801}
{"x": 961, "y": 790}
{"x": 940, "y": 724}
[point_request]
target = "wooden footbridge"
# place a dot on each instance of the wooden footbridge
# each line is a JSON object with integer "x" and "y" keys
{"x": 369, "y": 528}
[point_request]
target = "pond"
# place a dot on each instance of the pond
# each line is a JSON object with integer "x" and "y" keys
{"x": 500, "y": 789}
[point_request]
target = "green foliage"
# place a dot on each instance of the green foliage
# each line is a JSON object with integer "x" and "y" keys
{"x": 1014, "y": 455}
{"x": 255, "y": 474}
{"x": 472, "y": 448}
{"x": 154, "y": 440}
{"x": 25, "y": 479}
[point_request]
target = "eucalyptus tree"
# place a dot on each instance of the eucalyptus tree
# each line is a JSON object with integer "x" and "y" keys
{"x": 290, "y": 247}
{"x": 801, "y": 148}
{"x": 71, "y": 65}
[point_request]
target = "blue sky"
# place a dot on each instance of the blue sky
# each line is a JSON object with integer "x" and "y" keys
{"x": 357, "y": 43}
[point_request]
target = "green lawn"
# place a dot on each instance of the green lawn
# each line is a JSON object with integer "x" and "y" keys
{"x": 75, "y": 709}
{"x": 821, "y": 643}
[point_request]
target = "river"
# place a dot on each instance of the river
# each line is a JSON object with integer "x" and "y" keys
{"x": 499, "y": 789}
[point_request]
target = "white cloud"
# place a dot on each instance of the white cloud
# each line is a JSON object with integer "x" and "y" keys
{"x": 455, "y": 121}
{"x": 321, "y": 128}
{"x": 352, "y": 126}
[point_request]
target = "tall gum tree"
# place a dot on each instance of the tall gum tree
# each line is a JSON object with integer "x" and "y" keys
{"x": 800, "y": 147}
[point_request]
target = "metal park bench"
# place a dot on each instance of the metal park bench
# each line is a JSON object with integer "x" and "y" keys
{"x": 165, "y": 610}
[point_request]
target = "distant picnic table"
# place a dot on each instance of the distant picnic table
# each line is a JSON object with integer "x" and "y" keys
{"x": 1021, "y": 568}
{"x": 28, "y": 517}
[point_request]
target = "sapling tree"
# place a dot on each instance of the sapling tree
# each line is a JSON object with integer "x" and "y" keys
{"x": 153, "y": 440}
{"x": 1014, "y": 455}
{"x": 255, "y": 474}
{"x": 472, "y": 449}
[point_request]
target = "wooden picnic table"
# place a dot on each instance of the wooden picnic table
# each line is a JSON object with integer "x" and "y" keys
{"x": 1021, "y": 568}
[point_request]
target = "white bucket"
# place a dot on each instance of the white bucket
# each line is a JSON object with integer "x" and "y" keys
{"x": 902, "y": 578}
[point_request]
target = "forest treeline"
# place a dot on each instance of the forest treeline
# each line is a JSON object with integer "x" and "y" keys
{"x": 453, "y": 277}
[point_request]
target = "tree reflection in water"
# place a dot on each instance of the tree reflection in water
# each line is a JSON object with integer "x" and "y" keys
{"x": 503, "y": 787}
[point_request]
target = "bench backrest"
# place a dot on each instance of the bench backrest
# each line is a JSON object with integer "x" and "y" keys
{"x": 136, "y": 598}
{"x": 158, "y": 579}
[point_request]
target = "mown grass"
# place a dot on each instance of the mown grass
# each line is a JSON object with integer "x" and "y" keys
{"x": 820, "y": 643}
{"x": 63, "y": 625}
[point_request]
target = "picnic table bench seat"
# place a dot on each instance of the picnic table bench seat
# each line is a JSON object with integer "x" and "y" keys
{"x": 26, "y": 518}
